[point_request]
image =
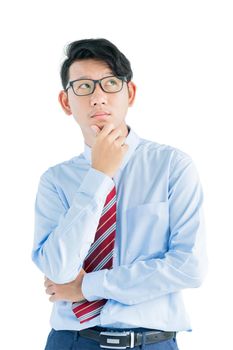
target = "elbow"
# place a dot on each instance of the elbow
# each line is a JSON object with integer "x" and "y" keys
{"x": 202, "y": 276}
{"x": 198, "y": 275}
{"x": 196, "y": 282}
{"x": 57, "y": 271}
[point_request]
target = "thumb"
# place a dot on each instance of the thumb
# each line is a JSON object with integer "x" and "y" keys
{"x": 95, "y": 129}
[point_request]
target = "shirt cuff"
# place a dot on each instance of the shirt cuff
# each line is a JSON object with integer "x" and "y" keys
{"x": 96, "y": 183}
{"x": 92, "y": 285}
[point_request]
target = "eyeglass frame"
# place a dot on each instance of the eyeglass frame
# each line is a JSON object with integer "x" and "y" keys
{"x": 95, "y": 81}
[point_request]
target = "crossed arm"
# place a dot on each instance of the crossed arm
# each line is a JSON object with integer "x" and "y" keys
{"x": 182, "y": 266}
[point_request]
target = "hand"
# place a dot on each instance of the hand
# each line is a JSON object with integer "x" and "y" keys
{"x": 108, "y": 149}
{"x": 68, "y": 291}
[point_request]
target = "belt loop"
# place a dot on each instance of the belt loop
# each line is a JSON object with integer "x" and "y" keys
{"x": 143, "y": 346}
{"x": 76, "y": 335}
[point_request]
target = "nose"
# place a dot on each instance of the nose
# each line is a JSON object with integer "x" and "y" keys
{"x": 98, "y": 97}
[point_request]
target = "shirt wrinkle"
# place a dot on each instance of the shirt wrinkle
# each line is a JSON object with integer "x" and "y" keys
{"x": 160, "y": 235}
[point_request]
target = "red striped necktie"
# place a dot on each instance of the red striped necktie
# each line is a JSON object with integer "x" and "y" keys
{"x": 100, "y": 256}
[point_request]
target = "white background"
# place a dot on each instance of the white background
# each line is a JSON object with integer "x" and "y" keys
{"x": 181, "y": 54}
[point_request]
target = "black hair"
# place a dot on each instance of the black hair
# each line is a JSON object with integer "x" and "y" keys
{"x": 99, "y": 49}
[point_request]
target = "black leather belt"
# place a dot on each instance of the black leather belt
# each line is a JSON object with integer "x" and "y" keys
{"x": 125, "y": 339}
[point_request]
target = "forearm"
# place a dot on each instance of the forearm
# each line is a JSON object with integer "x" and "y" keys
{"x": 61, "y": 256}
{"x": 60, "y": 252}
{"x": 183, "y": 266}
{"x": 145, "y": 280}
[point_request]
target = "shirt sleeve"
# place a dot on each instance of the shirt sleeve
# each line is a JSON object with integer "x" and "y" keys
{"x": 63, "y": 236}
{"x": 185, "y": 261}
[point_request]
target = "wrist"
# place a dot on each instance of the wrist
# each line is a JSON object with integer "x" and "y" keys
{"x": 92, "y": 286}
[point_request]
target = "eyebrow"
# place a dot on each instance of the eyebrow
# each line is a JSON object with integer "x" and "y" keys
{"x": 88, "y": 77}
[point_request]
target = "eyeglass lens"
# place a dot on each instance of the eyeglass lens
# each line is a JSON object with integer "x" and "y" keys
{"x": 86, "y": 86}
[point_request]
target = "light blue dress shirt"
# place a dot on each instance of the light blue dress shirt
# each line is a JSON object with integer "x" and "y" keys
{"x": 160, "y": 240}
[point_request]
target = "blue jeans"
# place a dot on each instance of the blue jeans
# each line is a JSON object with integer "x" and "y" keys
{"x": 71, "y": 340}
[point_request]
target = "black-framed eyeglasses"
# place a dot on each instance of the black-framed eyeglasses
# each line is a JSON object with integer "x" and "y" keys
{"x": 84, "y": 87}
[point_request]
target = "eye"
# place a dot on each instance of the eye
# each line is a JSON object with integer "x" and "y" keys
{"x": 84, "y": 86}
{"x": 112, "y": 82}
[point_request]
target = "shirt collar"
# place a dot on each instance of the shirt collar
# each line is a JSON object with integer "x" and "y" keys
{"x": 132, "y": 140}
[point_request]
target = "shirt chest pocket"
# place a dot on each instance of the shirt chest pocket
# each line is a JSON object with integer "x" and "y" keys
{"x": 147, "y": 230}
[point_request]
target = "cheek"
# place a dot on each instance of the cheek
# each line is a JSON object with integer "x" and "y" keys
{"x": 123, "y": 104}
{"x": 79, "y": 110}
{"x": 121, "y": 99}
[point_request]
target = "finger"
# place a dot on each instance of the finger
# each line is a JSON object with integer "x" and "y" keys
{"x": 57, "y": 297}
{"x": 106, "y": 129}
{"x": 50, "y": 290}
{"x": 115, "y": 134}
{"x": 48, "y": 283}
{"x": 95, "y": 129}
{"x": 124, "y": 148}
{"x": 120, "y": 141}
{"x": 53, "y": 298}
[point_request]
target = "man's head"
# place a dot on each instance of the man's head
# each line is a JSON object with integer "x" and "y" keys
{"x": 95, "y": 59}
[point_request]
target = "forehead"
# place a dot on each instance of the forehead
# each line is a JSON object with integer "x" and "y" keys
{"x": 90, "y": 68}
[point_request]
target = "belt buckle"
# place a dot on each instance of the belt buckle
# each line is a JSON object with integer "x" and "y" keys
{"x": 116, "y": 340}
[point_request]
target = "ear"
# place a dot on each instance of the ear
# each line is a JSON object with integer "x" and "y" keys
{"x": 132, "y": 92}
{"x": 64, "y": 102}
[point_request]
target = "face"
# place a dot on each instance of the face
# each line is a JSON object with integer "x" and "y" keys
{"x": 100, "y": 107}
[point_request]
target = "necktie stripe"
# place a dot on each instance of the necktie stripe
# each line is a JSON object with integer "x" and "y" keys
{"x": 100, "y": 246}
{"x": 101, "y": 239}
{"x": 104, "y": 262}
{"x": 86, "y": 307}
{"x": 91, "y": 312}
{"x": 90, "y": 318}
{"x": 94, "y": 265}
{"x": 105, "y": 214}
{"x": 109, "y": 205}
{"x": 100, "y": 256}
{"x": 111, "y": 194}
{"x": 111, "y": 219}
{"x": 106, "y": 227}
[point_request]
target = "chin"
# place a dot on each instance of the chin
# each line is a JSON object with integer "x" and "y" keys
{"x": 101, "y": 124}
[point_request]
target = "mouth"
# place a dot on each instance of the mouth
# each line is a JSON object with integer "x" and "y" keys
{"x": 101, "y": 116}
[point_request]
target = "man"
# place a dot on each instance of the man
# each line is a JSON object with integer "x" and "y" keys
{"x": 118, "y": 229}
